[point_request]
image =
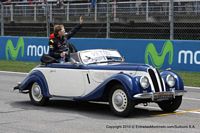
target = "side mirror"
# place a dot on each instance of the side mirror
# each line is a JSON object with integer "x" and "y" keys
{"x": 77, "y": 64}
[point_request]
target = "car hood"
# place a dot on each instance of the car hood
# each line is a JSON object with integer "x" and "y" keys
{"x": 118, "y": 66}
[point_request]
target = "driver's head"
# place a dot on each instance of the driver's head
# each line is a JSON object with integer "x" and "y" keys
{"x": 59, "y": 30}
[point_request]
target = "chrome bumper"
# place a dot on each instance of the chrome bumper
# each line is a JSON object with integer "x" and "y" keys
{"x": 17, "y": 87}
{"x": 157, "y": 96}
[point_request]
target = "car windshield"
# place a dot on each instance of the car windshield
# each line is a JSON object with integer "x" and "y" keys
{"x": 100, "y": 56}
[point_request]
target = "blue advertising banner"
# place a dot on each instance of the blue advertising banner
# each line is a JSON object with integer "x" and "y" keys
{"x": 178, "y": 54}
{"x": 23, "y": 48}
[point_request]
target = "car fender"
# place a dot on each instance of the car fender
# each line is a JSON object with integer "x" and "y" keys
{"x": 35, "y": 76}
{"x": 129, "y": 83}
{"x": 179, "y": 82}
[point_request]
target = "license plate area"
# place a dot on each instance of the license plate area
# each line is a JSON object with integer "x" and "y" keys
{"x": 163, "y": 96}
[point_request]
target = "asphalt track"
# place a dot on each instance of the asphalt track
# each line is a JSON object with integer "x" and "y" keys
{"x": 18, "y": 115}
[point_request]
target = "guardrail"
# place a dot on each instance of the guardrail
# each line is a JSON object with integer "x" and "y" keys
{"x": 126, "y": 12}
{"x": 129, "y": 9}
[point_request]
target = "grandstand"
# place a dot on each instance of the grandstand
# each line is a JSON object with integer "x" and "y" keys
{"x": 127, "y": 18}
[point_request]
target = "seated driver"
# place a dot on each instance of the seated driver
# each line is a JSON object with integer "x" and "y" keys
{"x": 58, "y": 45}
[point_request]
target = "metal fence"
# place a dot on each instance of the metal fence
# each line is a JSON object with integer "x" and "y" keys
{"x": 163, "y": 19}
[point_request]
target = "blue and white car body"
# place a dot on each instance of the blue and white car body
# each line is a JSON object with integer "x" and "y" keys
{"x": 102, "y": 75}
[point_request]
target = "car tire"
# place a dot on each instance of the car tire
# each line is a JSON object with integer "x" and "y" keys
{"x": 119, "y": 102}
{"x": 36, "y": 96}
{"x": 170, "y": 105}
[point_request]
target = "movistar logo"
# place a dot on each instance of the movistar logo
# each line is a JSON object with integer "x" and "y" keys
{"x": 158, "y": 59}
{"x": 14, "y": 51}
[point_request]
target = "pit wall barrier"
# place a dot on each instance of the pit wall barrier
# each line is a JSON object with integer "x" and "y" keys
{"x": 182, "y": 55}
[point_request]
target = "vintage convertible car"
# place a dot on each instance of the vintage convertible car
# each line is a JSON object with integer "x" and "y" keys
{"x": 102, "y": 75}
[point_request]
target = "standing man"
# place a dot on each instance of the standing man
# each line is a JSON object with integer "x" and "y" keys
{"x": 58, "y": 41}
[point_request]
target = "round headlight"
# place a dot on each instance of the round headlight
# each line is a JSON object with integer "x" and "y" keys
{"x": 144, "y": 82}
{"x": 170, "y": 80}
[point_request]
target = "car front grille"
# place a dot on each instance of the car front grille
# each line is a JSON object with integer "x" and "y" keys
{"x": 157, "y": 81}
{"x": 154, "y": 80}
{"x": 162, "y": 86}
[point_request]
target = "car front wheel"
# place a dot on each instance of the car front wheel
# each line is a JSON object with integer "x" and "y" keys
{"x": 170, "y": 105}
{"x": 119, "y": 102}
{"x": 36, "y": 95}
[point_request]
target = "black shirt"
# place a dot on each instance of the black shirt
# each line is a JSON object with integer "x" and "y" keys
{"x": 59, "y": 44}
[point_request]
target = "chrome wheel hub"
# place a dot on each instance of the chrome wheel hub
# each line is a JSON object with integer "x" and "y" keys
{"x": 36, "y": 92}
{"x": 119, "y": 100}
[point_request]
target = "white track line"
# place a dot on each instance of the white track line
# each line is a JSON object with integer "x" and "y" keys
{"x": 9, "y": 72}
{"x": 190, "y": 87}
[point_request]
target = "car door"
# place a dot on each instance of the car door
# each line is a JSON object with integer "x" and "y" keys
{"x": 96, "y": 77}
{"x": 66, "y": 82}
